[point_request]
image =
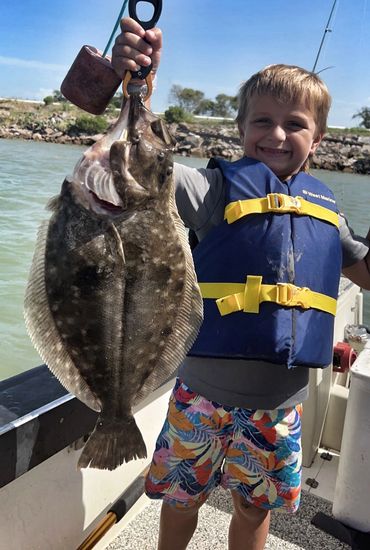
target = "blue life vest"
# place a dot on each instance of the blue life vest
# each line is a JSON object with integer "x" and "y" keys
{"x": 271, "y": 248}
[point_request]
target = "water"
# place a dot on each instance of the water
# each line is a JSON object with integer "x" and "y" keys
{"x": 31, "y": 173}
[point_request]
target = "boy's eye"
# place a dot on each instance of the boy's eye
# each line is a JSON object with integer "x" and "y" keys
{"x": 262, "y": 121}
{"x": 295, "y": 124}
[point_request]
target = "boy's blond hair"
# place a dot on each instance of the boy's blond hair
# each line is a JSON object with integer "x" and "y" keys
{"x": 288, "y": 84}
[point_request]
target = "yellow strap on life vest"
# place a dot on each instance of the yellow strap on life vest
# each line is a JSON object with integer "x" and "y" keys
{"x": 231, "y": 297}
{"x": 282, "y": 204}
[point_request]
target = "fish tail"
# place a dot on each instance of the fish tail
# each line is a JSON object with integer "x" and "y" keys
{"x": 112, "y": 443}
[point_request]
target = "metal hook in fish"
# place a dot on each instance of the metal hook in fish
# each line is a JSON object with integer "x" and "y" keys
{"x": 144, "y": 73}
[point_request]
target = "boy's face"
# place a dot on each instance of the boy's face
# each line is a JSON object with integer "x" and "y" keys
{"x": 279, "y": 135}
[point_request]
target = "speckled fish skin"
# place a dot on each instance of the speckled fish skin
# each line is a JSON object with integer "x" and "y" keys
{"x": 112, "y": 303}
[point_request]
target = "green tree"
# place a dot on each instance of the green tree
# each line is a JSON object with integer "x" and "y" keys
{"x": 48, "y": 100}
{"x": 186, "y": 98}
{"x": 234, "y": 103}
{"x": 364, "y": 114}
{"x": 176, "y": 114}
{"x": 58, "y": 97}
{"x": 193, "y": 101}
{"x": 205, "y": 107}
{"x": 90, "y": 125}
{"x": 225, "y": 105}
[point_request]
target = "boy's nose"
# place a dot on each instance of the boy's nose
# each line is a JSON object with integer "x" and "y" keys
{"x": 278, "y": 132}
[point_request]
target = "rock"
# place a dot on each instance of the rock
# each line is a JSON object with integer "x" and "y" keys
{"x": 181, "y": 127}
{"x": 180, "y": 148}
{"x": 193, "y": 140}
{"x": 364, "y": 140}
{"x": 96, "y": 137}
{"x": 57, "y": 135}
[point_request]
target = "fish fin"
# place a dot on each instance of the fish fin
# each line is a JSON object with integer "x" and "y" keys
{"x": 186, "y": 326}
{"x": 112, "y": 443}
{"x": 53, "y": 203}
{"x": 43, "y": 332}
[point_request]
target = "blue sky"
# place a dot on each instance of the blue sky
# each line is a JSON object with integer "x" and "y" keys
{"x": 210, "y": 45}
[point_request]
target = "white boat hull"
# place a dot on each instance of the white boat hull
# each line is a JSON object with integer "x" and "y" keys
{"x": 55, "y": 506}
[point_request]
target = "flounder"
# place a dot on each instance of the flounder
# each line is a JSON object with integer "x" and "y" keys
{"x": 112, "y": 303}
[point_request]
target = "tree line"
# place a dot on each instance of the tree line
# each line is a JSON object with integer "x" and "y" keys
{"x": 364, "y": 115}
{"x": 194, "y": 102}
{"x": 185, "y": 102}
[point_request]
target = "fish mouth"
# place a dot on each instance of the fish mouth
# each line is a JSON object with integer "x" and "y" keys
{"x": 112, "y": 175}
{"x": 92, "y": 176}
{"x": 104, "y": 205}
{"x": 98, "y": 189}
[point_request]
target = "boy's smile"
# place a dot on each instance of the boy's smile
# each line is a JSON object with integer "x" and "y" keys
{"x": 279, "y": 135}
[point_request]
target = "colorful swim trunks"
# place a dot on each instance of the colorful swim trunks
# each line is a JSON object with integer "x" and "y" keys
{"x": 204, "y": 444}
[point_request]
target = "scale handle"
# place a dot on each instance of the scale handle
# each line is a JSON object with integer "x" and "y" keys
{"x": 157, "y": 5}
{"x": 143, "y": 72}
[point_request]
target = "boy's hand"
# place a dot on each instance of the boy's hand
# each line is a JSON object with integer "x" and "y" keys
{"x": 130, "y": 51}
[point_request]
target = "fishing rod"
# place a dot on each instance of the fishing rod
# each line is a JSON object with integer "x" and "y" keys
{"x": 326, "y": 30}
{"x": 117, "y": 511}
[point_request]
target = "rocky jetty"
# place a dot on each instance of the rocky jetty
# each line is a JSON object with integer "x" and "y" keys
{"x": 340, "y": 151}
{"x": 53, "y": 129}
{"x": 345, "y": 152}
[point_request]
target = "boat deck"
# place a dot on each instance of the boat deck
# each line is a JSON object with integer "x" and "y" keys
{"x": 287, "y": 532}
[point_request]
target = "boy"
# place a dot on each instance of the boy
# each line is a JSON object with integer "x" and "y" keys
{"x": 234, "y": 415}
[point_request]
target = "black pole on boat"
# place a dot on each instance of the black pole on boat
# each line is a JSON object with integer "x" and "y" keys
{"x": 116, "y": 512}
{"x": 327, "y": 29}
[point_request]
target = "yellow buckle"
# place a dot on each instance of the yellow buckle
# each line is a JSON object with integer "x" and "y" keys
{"x": 230, "y": 304}
{"x": 284, "y": 293}
{"x": 278, "y": 202}
{"x": 290, "y": 295}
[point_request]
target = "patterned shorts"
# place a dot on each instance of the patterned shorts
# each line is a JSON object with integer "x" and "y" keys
{"x": 204, "y": 444}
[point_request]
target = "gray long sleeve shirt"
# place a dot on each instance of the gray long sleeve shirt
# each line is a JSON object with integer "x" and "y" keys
{"x": 236, "y": 382}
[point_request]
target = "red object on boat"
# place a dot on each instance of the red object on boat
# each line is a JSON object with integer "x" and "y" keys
{"x": 343, "y": 357}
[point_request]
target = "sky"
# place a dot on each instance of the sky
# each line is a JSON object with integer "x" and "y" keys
{"x": 209, "y": 45}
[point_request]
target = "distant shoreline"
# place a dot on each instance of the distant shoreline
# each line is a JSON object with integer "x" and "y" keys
{"x": 341, "y": 150}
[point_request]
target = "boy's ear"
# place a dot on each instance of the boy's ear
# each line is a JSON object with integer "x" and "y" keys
{"x": 316, "y": 142}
